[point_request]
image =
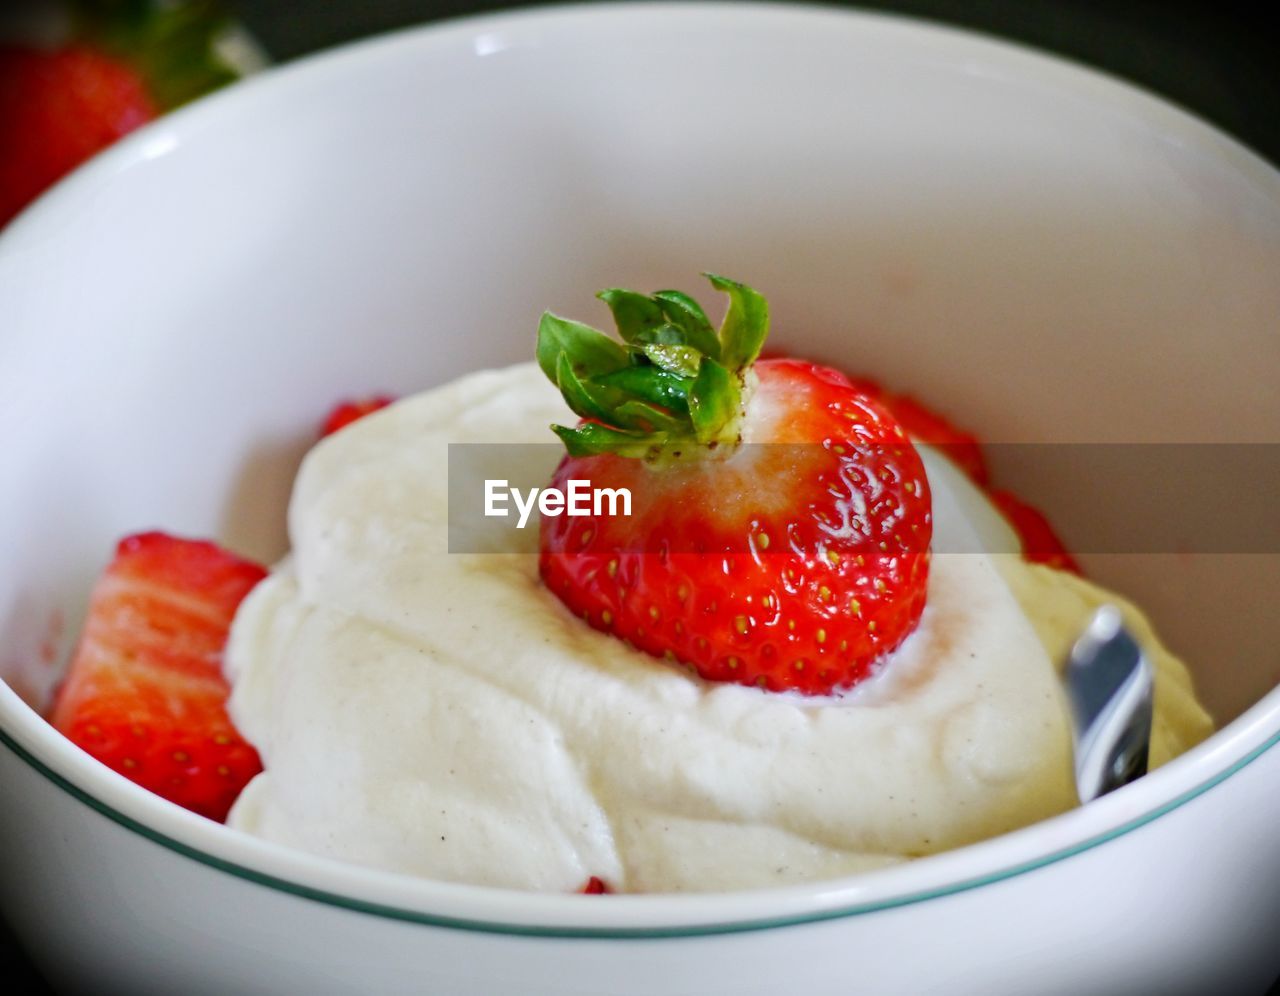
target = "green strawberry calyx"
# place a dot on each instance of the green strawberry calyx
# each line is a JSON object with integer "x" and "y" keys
{"x": 672, "y": 387}
{"x": 175, "y": 45}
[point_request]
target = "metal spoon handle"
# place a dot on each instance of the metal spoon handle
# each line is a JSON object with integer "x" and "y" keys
{"x": 1110, "y": 688}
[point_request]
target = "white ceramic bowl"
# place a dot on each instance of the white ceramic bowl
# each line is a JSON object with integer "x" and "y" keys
{"x": 1044, "y": 252}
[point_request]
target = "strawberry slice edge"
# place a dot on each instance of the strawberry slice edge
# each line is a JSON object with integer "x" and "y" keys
{"x": 145, "y": 693}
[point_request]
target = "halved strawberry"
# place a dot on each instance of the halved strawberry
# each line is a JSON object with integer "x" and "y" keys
{"x": 347, "y": 412}
{"x": 594, "y": 887}
{"x": 145, "y": 694}
{"x": 781, "y": 519}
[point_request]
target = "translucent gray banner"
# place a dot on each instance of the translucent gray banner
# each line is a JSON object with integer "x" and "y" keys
{"x": 1101, "y": 498}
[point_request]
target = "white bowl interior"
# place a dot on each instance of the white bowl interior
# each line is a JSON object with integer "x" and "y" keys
{"x": 1041, "y": 253}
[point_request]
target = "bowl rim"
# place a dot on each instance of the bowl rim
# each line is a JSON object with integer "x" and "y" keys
{"x": 425, "y": 902}
{"x": 35, "y": 744}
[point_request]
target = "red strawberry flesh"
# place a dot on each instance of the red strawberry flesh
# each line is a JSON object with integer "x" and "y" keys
{"x": 1040, "y": 543}
{"x": 58, "y": 108}
{"x": 145, "y": 693}
{"x": 347, "y": 412}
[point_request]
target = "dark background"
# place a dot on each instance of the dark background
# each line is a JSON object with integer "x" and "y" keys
{"x": 1217, "y": 59}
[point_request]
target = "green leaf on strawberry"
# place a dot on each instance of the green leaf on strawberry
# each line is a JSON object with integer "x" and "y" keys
{"x": 714, "y": 399}
{"x": 671, "y": 382}
{"x": 173, "y": 46}
{"x": 746, "y": 325}
{"x": 589, "y": 351}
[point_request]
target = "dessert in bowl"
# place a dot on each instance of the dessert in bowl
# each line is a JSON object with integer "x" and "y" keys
{"x": 881, "y": 264}
{"x": 461, "y": 714}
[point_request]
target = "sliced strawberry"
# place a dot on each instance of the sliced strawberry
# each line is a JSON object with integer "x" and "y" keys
{"x": 594, "y": 887}
{"x": 56, "y": 110}
{"x": 1040, "y": 543}
{"x": 781, "y": 519}
{"x": 145, "y": 694}
{"x": 350, "y": 411}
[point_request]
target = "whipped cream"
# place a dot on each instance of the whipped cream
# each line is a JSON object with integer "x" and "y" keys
{"x": 443, "y": 715}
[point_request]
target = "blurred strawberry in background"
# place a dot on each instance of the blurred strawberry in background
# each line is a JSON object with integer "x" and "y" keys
{"x": 75, "y": 77}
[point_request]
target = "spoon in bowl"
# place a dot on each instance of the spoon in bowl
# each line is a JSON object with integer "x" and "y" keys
{"x": 1109, "y": 686}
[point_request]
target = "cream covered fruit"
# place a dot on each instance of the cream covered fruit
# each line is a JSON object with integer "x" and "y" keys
{"x": 444, "y": 715}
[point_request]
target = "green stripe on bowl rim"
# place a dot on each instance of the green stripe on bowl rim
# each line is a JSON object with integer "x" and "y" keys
{"x": 301, "y": 891}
